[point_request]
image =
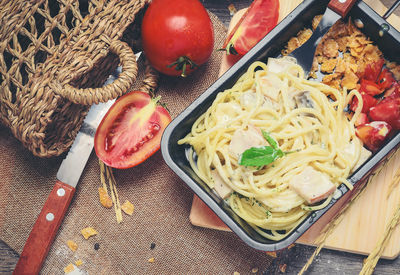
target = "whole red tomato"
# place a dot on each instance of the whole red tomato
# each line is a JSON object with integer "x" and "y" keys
{"x": 177, "y": 36}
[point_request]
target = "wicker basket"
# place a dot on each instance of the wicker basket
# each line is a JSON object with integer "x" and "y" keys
{"x": 52, "y": 54}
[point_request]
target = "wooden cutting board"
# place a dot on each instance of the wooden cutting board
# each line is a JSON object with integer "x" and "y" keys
{"x": 366, "y": 219}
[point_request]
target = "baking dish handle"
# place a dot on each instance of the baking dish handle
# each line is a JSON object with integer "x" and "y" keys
{"x": 391, "y": 10}
{"x": 118, "y": 87}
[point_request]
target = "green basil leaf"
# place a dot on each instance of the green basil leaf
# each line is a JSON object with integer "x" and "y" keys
{"x": 260, "y": 156}
{"x": 270, "y": 140}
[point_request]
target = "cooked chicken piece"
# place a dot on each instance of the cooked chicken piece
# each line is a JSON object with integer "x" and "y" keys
{"x": 222, "y": 189}
{"x": 312, "y": 185}
{"x": 227, "y": 111}
{"x": 277, "y": 65}
{"x": 248, "y": 99}
{"x": 268, "y": 87}
{"x": 245, "y": 139}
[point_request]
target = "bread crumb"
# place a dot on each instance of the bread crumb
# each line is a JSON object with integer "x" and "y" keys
{"x": 282, "y": 268}
{"x": 151, "y": 260}
{"x": 78, "y": 262}
{"x": 232, "y": 9}
{"x": 254, "y": 270}
{"x": 105, "y": 199}
{"x": 72, "y": 245}
{"x": 69, "y": 268}
{"x": 271, "y": 253}
{"x": 128, "y": 207}
{"x": 328, "y": 65}
{"x": 236, "y": 273}
{"x": 88, "y": 232}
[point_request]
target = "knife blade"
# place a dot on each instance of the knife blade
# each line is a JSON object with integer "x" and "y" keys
{"x": 49, "y": 220}
{"x": 305, "y": 53}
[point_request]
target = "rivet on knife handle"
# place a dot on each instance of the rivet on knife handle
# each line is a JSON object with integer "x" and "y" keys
{"x": 341, "y": 7}
{"x": 45, "y": 229}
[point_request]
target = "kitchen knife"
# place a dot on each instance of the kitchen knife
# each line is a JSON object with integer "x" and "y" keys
{"x": 305, "y": 53}
{"x": 49, "y": 220}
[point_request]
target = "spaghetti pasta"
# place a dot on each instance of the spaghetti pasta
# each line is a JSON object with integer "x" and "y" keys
{"x": 307, "y": 120}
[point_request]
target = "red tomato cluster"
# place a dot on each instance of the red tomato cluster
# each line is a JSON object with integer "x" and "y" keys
{"x": 380, "y": 113}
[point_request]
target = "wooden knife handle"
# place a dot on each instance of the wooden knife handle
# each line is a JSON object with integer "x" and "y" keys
{"x": 341, "y": 7}
{"x": 45, "y": 229}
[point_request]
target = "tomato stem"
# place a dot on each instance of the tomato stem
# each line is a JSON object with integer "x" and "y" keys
{"x": 181, "y": 63}
{"x": 230, "y": 49}
{"x": 156, "y": 99}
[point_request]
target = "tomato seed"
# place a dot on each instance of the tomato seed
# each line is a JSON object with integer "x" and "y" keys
{"x": 154, "y": 128}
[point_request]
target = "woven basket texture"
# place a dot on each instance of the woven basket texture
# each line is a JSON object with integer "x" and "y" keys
{"x": 54, "y": 58}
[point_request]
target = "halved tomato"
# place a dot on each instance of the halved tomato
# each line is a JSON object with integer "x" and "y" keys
{"x": 259, "y": 19}
{"x": 131, "y": 130}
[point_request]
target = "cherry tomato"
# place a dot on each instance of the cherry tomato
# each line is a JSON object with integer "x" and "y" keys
{"x": 368, "y": 102}
{"x": 131, "y": 130}
{"x": 388, "y": 110}
{"x": 177, "y": 36}
{"x": 373, "y": 134}
{"x": 373, "y": 70}
{"x": 385, "y": 79}
{"x": 259, "y": 19}
{"x": 370, "y": 87}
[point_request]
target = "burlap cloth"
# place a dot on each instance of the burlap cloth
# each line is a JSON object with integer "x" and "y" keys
{"x": 161, "y": 199}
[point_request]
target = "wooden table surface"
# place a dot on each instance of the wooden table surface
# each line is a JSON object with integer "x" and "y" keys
{"x": 328, "y": 261}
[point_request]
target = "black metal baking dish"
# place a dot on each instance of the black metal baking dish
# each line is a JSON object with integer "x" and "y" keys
{"x": 175, "y": 155}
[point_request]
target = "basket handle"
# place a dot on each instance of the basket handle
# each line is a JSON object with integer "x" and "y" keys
{"x": 118, "y": 87}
